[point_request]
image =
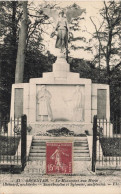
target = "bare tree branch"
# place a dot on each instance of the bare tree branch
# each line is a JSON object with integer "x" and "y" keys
{"x": 97, "y": 32}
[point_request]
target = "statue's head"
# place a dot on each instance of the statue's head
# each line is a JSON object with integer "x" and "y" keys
{"x": 61, "y": 13}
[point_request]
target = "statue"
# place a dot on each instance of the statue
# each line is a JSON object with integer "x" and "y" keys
{"x": 62, "y": 28}
{"x": 44, "y": 101}
{"x": 77, "y": 104}
{"x": 62, "y": 32}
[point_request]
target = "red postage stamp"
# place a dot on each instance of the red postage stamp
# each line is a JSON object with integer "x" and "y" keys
{"x": 58, "y": 158}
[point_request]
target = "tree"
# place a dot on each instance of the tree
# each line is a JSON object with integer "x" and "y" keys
{"x": 10, "y": 14}
{"x": 20, "y": 61}
{"x": 108, "y": 34}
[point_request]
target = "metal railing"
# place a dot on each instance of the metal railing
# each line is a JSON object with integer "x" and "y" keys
{"x": 94, "y": 143}
{"x": 23, "y": 140}
{"x": 106, "y": 150}
{"x": 13, "y": 142}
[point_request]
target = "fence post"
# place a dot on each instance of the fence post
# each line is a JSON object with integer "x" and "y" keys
{"x": 23, "y": 140}
{"x": 120, "y": 107}
{"x": 94, "y": 143}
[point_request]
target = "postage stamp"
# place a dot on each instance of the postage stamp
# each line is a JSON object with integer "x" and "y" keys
{"x": 59, "y": 158}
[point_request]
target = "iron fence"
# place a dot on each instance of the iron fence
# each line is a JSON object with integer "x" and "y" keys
{"x": 13, "y": 142}
{"x": 23, "y": 140}
{"x": 106, "y": 149}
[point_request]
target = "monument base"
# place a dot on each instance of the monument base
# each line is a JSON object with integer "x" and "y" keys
{"x": 76, "y": 127}
{"x": 63, "y": 98}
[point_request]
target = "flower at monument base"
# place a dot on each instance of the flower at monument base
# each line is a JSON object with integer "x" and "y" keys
{"x": 17, "y": 129}
{"x": 29, "y": 128}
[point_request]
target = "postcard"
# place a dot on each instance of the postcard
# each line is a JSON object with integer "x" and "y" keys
{"x": 60, "y": 104}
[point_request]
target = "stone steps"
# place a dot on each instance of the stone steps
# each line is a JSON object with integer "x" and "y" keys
{"x": 82, "y": 159}
{"x": 74, "y": 150}
{"x": 81, "y": 143}
{"x": 31, "y": 158}
{"x": 82, "y": 139}
{"x": 44, "y": 142}
{"x": 38, "y": 148}
{"x": 43, "y": 154}
{"x": 36, "y": 163}
{"x": 80, "y": 149}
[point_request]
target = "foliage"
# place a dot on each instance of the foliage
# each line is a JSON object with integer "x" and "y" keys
{"x": 36, "y": 63}
{"x": 111, "y": 146}
{"x": 10, "y": 14}
{"x": 39, "y": 60}
{"x": 9, "y": 145}
{"x": 109, "y": 35}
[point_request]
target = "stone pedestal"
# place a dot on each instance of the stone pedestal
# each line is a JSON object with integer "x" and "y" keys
{"x": 70, "y": 100}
